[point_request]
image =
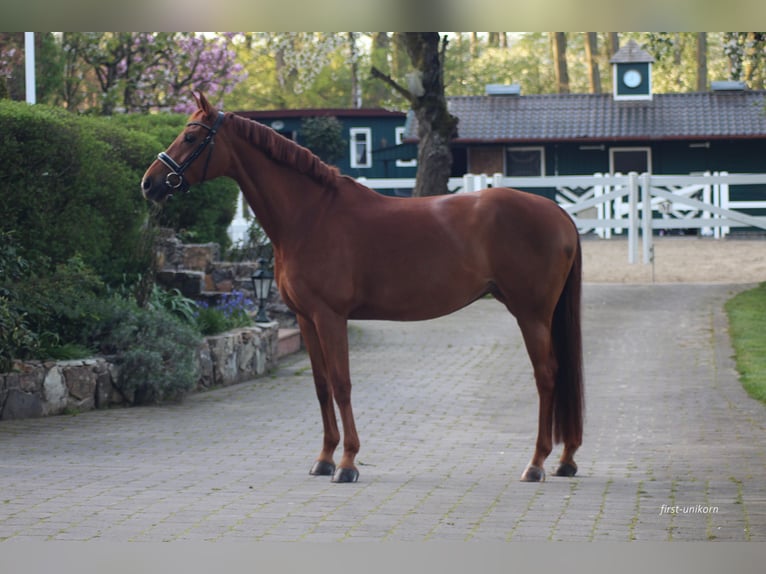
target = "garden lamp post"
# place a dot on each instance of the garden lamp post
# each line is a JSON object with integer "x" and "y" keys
{"x": 262, "y": 279}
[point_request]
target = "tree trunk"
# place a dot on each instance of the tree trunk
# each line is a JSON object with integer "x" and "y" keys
{"x": 436, "y": 126}
{"x": 356, "y": 85}
{"x": 559, "y": 48}
{"x": 425, "y": 92}
{"x": 701, "y": 61}
{"x": 591, "y": 54}
{"x": 614, "y": 43}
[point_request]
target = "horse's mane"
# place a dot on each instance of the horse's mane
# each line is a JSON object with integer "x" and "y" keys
{"x": 286, "y": 151}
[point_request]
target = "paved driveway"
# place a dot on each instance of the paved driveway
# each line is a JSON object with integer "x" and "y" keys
{"x": 674, "y": 448}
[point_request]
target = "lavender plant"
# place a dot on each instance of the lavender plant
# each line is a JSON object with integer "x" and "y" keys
{"x": 230, "y": 312}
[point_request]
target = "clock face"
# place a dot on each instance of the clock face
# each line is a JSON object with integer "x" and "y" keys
{"x": 632, "y": 78}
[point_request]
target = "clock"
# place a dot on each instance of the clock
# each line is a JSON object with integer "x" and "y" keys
{"x": 632, "y": 78}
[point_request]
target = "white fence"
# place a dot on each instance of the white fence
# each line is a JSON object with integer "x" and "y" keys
{"x": 616, "y": 204}
{"x": 611, "y": 205}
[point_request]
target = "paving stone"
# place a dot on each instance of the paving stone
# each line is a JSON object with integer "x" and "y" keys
{"x": 446, "y": 411}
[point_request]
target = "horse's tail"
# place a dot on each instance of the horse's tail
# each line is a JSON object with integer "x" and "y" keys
{"x": 569, "y": 393}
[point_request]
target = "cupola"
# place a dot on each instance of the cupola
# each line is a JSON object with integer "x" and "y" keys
{"x": 632, "y": 73}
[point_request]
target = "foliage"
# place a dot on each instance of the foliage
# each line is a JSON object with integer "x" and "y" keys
{"x": 68, "y": 186}
{"x": 324, "y": 136}
{"x": 155, "y": 351}
{"x": 232, "y": 311}
{"x": 49, "y": 66}
{"x": 43, "y": 315}
{"x": 17, "y": 340}
{"x": 175, "y": 303}
{"x": 747, "y": 316}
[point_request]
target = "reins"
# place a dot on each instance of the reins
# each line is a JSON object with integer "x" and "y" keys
{"x": 175, "y": 180}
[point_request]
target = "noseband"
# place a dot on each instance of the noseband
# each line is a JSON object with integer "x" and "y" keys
{"x": 175, "y": 179}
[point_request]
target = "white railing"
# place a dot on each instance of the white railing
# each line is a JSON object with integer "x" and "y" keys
{"x": 609, "y": 204}
{"x": 614, "y": 204}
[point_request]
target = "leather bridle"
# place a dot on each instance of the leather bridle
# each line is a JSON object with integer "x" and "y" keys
{"x": 175, "y": 179}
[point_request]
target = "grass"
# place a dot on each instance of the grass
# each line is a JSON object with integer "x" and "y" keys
{"x": 747, "y": 325}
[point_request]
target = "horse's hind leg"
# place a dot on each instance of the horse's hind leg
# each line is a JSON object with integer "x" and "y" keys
{"x": 537, "y": 337}
{"x": 324, "y": 465}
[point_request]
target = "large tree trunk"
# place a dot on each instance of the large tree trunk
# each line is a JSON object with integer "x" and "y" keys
{"x": 436, "y": 126}
{"x": 591, "y": 54}
{"x": 701, "y": 61}
{"x": 559, "y": 49}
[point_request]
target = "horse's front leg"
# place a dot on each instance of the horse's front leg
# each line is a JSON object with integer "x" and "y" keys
{"x": 325, "y": 463}
{"x": 332, "y": 338}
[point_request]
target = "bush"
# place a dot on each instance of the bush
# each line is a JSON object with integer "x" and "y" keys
{"x": 17, "y": 340}
{"x": 156, "y": 351}
{"x": 69, "y": 186}
{"x": 324, "y": 136}
{"x": 231, "y": 312}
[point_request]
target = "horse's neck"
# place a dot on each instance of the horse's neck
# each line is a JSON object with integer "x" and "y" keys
{"x": 279, "y": 196}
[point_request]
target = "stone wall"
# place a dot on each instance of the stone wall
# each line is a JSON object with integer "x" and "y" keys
{"x": 40, "y": 388}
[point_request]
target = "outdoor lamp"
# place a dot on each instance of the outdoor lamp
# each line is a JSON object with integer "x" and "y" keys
{"x": 262, "y": 279}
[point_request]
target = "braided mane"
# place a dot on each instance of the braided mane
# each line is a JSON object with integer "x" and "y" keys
{"x": 286, "y": 151}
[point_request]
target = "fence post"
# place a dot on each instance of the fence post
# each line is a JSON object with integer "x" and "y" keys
{"x": 725, "y": 203}
{"x": 632, "y": 216}
{"x": 497, "y": 180}
{"x": 706, "y": 198}
{"x": 468, "y": 179}
{"x": 598, "y": 191}
{"x": 646, "y": 218}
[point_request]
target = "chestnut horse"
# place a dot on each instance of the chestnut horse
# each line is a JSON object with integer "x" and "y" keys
{"x": 343, "y": 251}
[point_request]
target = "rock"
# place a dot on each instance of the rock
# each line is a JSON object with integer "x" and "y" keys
{"x": 21, "y": 405}
{"x": 55, "y": 392}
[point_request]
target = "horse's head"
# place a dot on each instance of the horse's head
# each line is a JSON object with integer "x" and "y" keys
{"x": 189, "y": 159}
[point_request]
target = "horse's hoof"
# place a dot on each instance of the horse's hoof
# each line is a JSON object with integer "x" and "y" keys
{"x": 322, "y": 468}
{"x": 533, "y": 474}
{"x": 566, "y": 469}
{"x": 345, "y": 475}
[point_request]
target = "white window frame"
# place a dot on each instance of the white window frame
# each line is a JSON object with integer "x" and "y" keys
{"x": 645, "y": 149}
{"x": 367, "y": 133}
{"x": 540, "y": 149}
{"x": 403, "y": 162}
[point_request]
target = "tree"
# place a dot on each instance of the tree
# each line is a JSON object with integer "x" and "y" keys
{"x": 701, "y": 61}
{"x": 559, "y": 49}
{"x": 48, "y": 73}
{"x": 425, "y": 93}
{"x": 746, "y": 52}
{"x": 591, "y": 55}
{"x": 324, "y": 136}
{"x": 139, "y": 71}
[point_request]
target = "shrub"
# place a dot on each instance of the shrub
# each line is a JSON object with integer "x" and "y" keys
{"x": 324, "y": 136}
{"x": 17, "y": 340}
{"x": 232, "y": 311}
{"x": 69, "y": 185}
{"x": 156, "y": 351}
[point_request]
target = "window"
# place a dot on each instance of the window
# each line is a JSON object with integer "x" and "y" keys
{"x": 361, "y": 147}
{"x": 403, "y": 162}
{"x": 627, "y": 159}
{"x": 525, "y": 161}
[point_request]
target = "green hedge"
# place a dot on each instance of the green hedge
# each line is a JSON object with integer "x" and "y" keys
{"x": 69, "y": 186}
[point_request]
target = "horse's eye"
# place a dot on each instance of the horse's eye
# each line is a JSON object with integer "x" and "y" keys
{"x": 189, "y": 138}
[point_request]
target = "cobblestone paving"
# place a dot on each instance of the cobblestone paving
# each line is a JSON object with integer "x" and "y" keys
{"x": 674, "y": 448}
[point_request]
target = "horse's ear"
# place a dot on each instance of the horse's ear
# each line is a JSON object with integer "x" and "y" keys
{"x": 202, "y": 102}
